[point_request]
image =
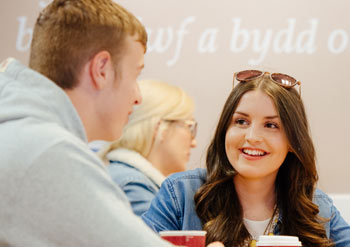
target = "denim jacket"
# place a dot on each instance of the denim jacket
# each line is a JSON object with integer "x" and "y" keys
{"x": 174, "y": 208}
{"x": 136, "y": 176}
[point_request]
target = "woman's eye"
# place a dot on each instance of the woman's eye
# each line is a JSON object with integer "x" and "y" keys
{"x": 272, "y": 125}
{"x": 241, "y": 121}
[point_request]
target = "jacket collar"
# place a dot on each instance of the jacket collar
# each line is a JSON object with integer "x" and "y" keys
{"x": 137, "y": 161}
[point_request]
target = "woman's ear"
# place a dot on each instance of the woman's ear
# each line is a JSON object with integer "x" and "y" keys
{"x": 161, "y": 131}
{"x": 101, "y": 69}
{"x": 158, "y": 133}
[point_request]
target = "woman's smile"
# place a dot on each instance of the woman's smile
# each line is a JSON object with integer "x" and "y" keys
{"x": 253, "y": 153}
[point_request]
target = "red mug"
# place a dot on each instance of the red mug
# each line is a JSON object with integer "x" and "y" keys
{"x": 185, "y": 238}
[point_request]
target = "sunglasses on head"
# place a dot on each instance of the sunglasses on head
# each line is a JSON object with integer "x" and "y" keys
{"x": 283, "y": 80}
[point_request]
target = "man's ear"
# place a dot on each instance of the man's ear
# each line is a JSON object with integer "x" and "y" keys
{"x": 101, "y": 69}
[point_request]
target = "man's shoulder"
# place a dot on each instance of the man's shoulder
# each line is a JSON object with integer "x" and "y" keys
{"x": 35, "y": 137}
{"x": 45, "y": 145}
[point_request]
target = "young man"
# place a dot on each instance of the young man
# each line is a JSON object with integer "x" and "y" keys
{"x": 81, "y": 86}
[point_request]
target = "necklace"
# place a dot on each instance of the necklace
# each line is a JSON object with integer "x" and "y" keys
{"x": 251, "y": 242}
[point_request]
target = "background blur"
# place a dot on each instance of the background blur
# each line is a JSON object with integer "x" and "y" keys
{"x": 198, "y": 44}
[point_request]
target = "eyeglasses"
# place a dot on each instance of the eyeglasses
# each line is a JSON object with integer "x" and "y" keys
{"x": 191, "y": 124}
{"x": 283, "y": 80}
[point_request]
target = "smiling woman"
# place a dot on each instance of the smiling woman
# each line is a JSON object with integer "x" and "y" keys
{"x": 261, "y": 174}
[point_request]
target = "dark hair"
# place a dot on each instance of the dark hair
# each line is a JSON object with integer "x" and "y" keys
{"x": 217, "y": 203}
{"x": 67, "y": 34}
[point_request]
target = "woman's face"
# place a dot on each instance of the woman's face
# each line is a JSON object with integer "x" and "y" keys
{"x": 175, "y": 145}
{"x": 256, "y": 144}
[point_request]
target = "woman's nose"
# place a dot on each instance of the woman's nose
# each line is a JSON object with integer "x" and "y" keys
{"x": 193, "y": 143}
{"x": 254, "y": 134}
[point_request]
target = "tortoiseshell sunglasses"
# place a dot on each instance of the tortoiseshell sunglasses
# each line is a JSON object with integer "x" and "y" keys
{"x": 283, "y": 80}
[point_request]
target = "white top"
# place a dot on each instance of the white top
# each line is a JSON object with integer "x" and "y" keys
{"x": 255, "y": 227}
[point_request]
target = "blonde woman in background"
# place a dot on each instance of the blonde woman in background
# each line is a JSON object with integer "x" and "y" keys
{"x": 155, "y": 143}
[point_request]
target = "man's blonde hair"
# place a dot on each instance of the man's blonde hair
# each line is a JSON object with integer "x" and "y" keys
{"x": 68, "y": 33}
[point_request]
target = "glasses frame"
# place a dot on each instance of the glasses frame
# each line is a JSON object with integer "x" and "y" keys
{"x": 191, "y": 124}
{"x": 271, "y": 77}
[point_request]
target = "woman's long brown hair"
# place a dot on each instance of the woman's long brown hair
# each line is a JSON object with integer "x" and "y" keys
{"x": 217, "y": 203}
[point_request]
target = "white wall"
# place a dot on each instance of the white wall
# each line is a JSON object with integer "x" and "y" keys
{"x": 342, "y": 202}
